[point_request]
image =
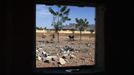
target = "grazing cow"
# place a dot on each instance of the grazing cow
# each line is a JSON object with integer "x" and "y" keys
{"x": 71, "y": 37}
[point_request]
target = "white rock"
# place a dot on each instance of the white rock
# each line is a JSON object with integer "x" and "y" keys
{"x": 39, "y": 58}
{"x": 88, "y": 45}
{"x": 49, "y": 58}
{"x": 65, "y": 54}
{"x": 68, "y": 52}
{"x": 72, "y": 56}
{"x": 55, "y": 57}
{"x": 62, "y": 49}
{"x": 40, "y": 49}
{"x": 62, "y": 61}
{"x": 44, "y": 52}
{"x": 37, "y": 51}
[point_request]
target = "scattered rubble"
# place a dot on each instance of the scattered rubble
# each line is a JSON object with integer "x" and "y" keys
{"x": 47, "y": 58}
{"x": 60, "y": 55}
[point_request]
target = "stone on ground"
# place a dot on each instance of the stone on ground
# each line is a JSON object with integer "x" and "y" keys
{"x": 62, "y": 61}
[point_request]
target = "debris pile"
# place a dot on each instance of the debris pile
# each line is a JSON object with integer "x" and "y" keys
{"x": 61, "y": 57}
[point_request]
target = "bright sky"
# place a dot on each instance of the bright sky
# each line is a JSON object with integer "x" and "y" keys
{"x": 44, "y": 17}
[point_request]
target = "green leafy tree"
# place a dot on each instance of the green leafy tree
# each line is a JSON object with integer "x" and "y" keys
{"x": 81, "y": 24}
{"x": 59, "y": 17}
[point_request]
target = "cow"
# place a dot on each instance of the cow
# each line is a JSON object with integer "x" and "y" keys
{"x": 71, "y": 37}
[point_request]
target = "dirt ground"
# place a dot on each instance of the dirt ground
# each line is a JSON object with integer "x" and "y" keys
{"x": 84, "y": 50}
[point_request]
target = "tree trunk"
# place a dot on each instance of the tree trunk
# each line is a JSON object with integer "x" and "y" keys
{"x": 58, "y": 26}
{"x": 57, "y": 33}
{"x": 58, "y": 36}
{"x": 80, "y": 40}
{"x": 80, "y": 35}
{"x": 73, "y": 32}
{"x": 90, "y": 35}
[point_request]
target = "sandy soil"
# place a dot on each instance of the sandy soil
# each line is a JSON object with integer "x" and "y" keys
{"x": 84, "y": 50}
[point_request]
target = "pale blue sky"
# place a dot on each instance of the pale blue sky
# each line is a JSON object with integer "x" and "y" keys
{"x": 44, "y": 17}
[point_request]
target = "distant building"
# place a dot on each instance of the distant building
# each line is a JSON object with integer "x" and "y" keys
{"x": 71, "y": 26}
{"x": 91, "y": 27}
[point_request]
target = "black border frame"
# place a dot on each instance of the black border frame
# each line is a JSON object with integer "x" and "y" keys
{"x": 61, "y": 70}
{"x": 18, "y": 28}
